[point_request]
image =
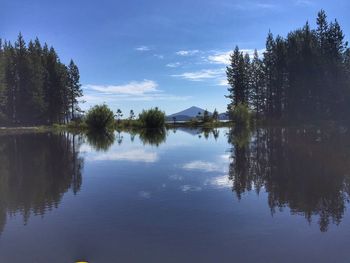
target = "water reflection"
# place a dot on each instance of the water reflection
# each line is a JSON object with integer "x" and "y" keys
{"x": 306, "y": 170}
{"x": 153, "y": 136}
{"x": 101, "y": 141}
{"x": 35, "y": 171}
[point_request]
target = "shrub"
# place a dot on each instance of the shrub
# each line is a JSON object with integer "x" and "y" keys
{"x": 153, "y": 118}
{"x": 241, "y": 115}
{"x": 100, "y": 117}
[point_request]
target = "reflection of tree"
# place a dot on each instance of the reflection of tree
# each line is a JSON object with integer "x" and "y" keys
{"x": 101, "y": 141}
{"x": 36, "y": 170}
{"x": 153, "y": 136}
{"x": 304, "y": 169}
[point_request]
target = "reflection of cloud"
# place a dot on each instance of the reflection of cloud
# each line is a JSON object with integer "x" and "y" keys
{"x": 175, "y": 177}
{"x": 220, "y": 181}
{"x": 145, "y": 195}
{"x": 138, "y": 155}
{"x": 190, "y": 188}
{"x": 203, "y": 166}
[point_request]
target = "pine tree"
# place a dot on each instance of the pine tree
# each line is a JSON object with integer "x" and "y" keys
{"x": 74, "y": 87}
{"x": 215, "y": 115}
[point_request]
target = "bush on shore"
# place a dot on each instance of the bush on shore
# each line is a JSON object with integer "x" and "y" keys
{"x": 100, "y": 117}
{"x": 153, "y": 118}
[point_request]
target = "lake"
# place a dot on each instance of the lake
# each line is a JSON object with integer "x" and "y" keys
{"x": 262, "y": 195}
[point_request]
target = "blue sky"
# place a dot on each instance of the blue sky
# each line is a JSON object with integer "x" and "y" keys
{"x": 139, "y": 54}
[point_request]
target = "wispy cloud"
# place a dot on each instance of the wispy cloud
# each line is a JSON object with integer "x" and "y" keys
{"x": 146, "y": 90}
{"x": 159, "y": 56}
{"x": 187, "y": 52}
{"x": 220, "y": 57}
{"x": 223, "y": 82}
{"x": 223, "y": 57}
{"x": 304, "y": 3}
{"x": 246, "y": 5}
{"x": 201, "y": 75}
{"x": 143, "y": 48}
{"x": 132, "y": 88}
{"x": 173, "y": 65}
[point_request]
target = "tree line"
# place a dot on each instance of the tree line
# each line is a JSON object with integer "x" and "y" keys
{"x": 303, "y": 76}
{"x": 35, "y": 86}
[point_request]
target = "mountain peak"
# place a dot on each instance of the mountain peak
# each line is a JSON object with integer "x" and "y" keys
{"x": 190, "y": 112}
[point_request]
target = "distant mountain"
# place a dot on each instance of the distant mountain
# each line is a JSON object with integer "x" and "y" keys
{"x": 190, "y": 113}
{"x": 223, "y": 116}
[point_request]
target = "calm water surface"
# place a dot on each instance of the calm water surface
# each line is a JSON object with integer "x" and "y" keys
{"x": 268, "y": 195}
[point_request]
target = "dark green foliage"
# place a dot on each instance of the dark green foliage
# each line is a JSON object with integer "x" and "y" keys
{"x": 153, "y": 118}
{"x": 100, "y": 118}
{"x": 74, "y": 89}
{"x": 100, "y": 141}
{"x": 215, "y": 115}
{"x": 132, "y": 115}
{"x": 206, "y": 116}
{"x": 155, "y": 136}
{"x": 35, "y": 87}
{"x": 241, "y": 115}
{"x": 304, "y": 76}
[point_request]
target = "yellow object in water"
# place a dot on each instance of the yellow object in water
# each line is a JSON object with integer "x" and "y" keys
{"x": 81, "y": 262}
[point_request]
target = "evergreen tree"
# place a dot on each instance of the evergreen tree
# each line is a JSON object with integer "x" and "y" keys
{"x": 74, "y": 88}
{"x": 215, "y": 115}
{"x": 304, "y": 76}
{"x": 35, "y": 87}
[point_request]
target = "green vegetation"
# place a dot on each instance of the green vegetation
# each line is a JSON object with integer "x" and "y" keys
{"x": 100, "y": 118}
{"x": 36, "y": 88}
{"x": 100, "y": 140}
{"x": 153, "y": 118}
{"x": 303, "y": 77}
{"x": 241, "y": 115}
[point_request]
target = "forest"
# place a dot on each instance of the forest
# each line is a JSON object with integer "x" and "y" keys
{"x": 36, "y": 88}
{"x": 304, "y": 76}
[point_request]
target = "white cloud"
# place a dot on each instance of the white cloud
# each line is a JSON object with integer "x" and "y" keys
{"x": 201, "y": 75}
{"x": 159, "y": 56}
{"x": 137, "y": 155}
{"x": 173, "y": 65}
{"x": 132, "y": 88}
{"x": 249, "y": 6}
{"x": 223, "y": 82}
{"x": 187, "y": 52}
{"x": 142, "y": 48}
{"x": 202, "y": 166}
{"x": 223, "y": 57}
{"x": 304, "y": 3}
{"x": 220, "y": 58}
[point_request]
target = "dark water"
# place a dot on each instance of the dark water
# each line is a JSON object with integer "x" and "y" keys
{"x": 268, "y": 195}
